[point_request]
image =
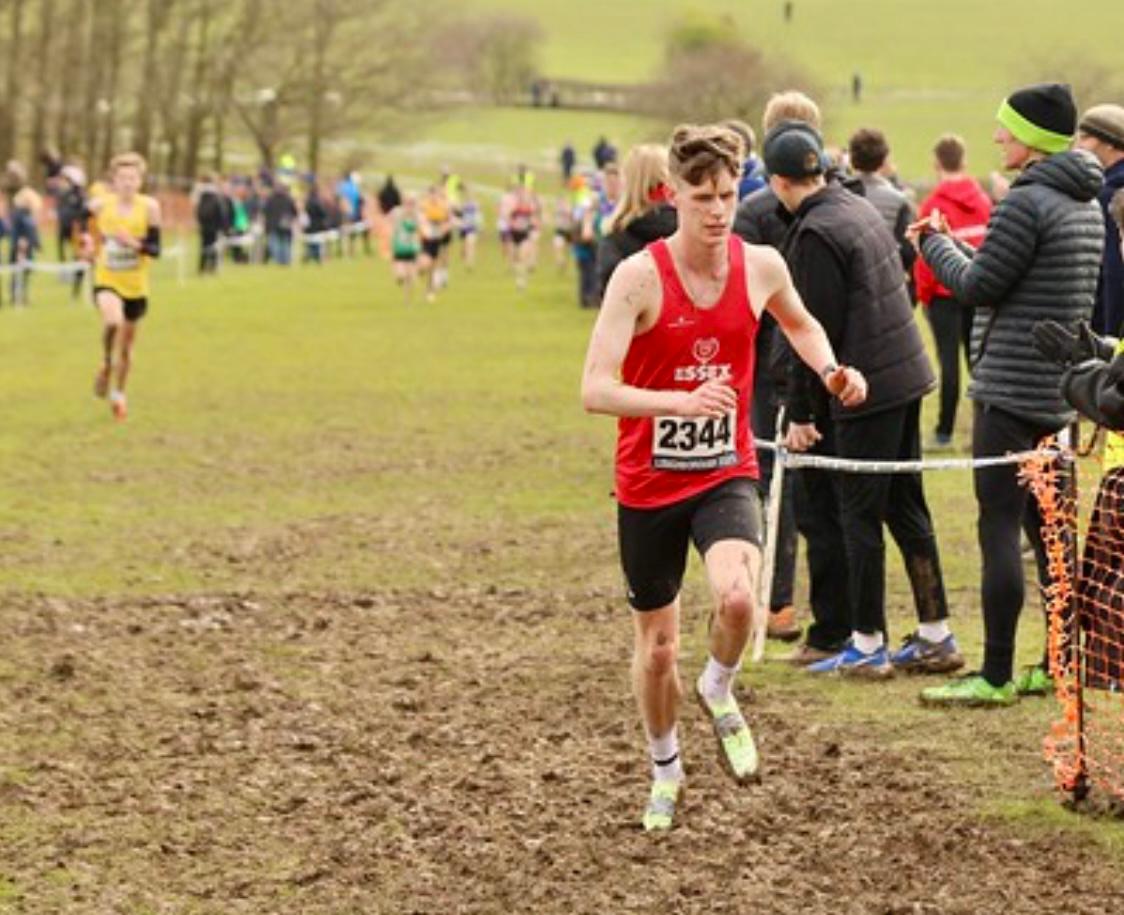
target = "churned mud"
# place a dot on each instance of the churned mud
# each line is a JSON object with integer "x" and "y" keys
{"x": 449, "y": 752}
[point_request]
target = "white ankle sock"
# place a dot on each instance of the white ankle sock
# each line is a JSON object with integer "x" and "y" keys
{"x": 934, "y": 632}
{"x": 665, "y": 756}
{"x": 867, "y": 644}
{"x": 717, "y": 679}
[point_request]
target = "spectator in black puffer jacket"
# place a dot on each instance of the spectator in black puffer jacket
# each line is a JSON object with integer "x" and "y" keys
{"x": 1039, "y": 261}
{"x": 643, "y": 213}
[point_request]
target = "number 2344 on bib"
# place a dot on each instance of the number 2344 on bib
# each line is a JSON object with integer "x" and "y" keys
{"x": 693, "y": 442}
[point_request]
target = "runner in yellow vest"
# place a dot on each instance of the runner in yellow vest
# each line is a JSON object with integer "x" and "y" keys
{"x": 124, "y": 235}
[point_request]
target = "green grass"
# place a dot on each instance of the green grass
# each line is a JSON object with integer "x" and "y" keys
{"x": 304, "y": 431}
{"x": 928, "y": 69}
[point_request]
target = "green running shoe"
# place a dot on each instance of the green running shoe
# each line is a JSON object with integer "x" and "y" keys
{"x": 736, "y": 749}
{"x": 1034, "y": 681}
{"x": 972, "y": 690}
{"x": 660, "y": 812}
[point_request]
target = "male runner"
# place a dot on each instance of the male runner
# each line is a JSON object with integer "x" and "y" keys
{"x": 125, "y": 235}
{"x": 672, "y": 356}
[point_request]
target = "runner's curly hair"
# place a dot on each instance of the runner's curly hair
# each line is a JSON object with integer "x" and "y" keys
{"x": 699, "y": 152}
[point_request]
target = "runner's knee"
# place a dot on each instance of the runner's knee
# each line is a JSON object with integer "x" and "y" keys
{"x": 736, "y": 606}
{"x": 659, "y": 653}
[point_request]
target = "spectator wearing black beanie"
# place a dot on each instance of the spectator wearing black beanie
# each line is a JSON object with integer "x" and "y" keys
{"x": 1039, "y": 261}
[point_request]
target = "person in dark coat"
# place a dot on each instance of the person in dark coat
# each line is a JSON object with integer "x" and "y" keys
{"x": 643, "y": 213}
{"x": 568, "y": 158}
{"x": 869, "y": 152}
{"x": 1039, "y": 261}
{"x": 846, "y": 266}
{"x": 211, "y": 217}
{"x": 389, "y": 197}
{"x": 808, "y": 499}
{"x": 1101, "y": 132}
{"x": 316, "y": 215}
{"x": 279, "y": 213}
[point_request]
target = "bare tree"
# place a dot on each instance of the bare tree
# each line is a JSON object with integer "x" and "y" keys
{"x": 333, "y": 65}
{"x": 157, "y": 18}
{"x": 279, "y": 71}
{"x": 40, "y": 90}
{"x": 9, "y": 105}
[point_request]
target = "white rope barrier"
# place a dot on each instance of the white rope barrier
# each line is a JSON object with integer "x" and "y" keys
{"x": 67, "y": 268}
{"x": 799, "y": 461}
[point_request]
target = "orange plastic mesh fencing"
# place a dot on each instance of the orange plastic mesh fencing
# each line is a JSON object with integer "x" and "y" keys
{"x": 1085, "y": 607}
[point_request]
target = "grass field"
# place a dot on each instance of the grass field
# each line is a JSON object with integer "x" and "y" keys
{"x": 928, "y": 69}
{"x": 336, "y": 535}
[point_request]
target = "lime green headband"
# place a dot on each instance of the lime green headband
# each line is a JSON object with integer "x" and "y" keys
{"x": 1031, "y": 134}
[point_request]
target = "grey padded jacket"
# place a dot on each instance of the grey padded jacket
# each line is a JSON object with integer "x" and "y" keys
{"x": 1039, "y": 261}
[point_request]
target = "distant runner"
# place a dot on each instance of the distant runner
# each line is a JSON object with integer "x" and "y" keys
{"x": 405, "y": 246}
{"x": 124, "y": 236}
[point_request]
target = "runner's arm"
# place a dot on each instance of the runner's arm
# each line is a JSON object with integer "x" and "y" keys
{"x": 150, "y": 244}
{"x": 633, "y": 288}
{"x": 806, "y": 334}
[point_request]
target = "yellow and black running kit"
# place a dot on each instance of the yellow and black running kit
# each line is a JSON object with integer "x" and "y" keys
{"x": 121, "y": 268}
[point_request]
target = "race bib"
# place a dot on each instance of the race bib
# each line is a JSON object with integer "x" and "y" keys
{"x": 119, "y": 256}
{"x": 694, "y": 442}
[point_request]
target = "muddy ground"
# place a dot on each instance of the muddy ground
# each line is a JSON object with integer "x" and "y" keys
{"x": 460, "y": 752}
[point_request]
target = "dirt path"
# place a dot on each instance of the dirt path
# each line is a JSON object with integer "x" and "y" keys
{"x": 445, "y": 753}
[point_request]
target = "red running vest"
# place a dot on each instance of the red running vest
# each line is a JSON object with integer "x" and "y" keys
{"x": 666, "y": 459}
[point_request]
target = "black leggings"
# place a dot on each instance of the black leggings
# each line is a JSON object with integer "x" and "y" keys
{"x": 1005, "y": 508}
{"x": 952, "y": 329}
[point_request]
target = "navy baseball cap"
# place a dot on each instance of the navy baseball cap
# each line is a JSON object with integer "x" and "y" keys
{"x": 794, "y": 149}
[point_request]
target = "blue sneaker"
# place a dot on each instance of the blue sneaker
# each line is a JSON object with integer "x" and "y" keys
{"x": 854, "y": 663}
{"x": 920, "y": 656}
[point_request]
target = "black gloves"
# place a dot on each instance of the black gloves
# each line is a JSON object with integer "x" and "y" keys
{"x": 1070, "y": 347}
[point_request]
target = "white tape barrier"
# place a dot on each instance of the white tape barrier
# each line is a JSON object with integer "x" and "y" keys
{"x": 797, "y": 461}
{"x": 69, "y": 267}
{"x": 65, "y": 269}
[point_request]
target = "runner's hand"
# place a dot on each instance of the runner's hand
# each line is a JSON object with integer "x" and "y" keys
{"x": 801, "y": 436}
{"x": 712, "y": 398}
{"x": 847, "y": 384}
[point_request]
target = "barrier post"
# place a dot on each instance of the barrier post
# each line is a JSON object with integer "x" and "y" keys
{"x": 769, "y": 558}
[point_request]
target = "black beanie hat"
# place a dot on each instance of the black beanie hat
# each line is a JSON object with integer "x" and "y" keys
{"x": 1042, "y": 116}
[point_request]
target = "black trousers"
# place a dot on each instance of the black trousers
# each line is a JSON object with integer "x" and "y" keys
{"x": 896, "y": 500}
{"x": 952, "y": 331}
{"x": 1005, "y": 507}
{"x": 818, "y": 516}
{"x": 208, "y": 252}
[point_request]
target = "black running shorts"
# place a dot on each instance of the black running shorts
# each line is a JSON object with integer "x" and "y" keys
{"x": 134, "y": 309}
{"x": 653, "y": 541}
{"x": 431, "y": 247}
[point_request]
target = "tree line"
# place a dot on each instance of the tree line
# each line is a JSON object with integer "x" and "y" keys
{"x": 180, "y": 81}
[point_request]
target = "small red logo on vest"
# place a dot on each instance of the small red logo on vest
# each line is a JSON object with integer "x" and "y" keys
{"x": 706, "y": 349}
